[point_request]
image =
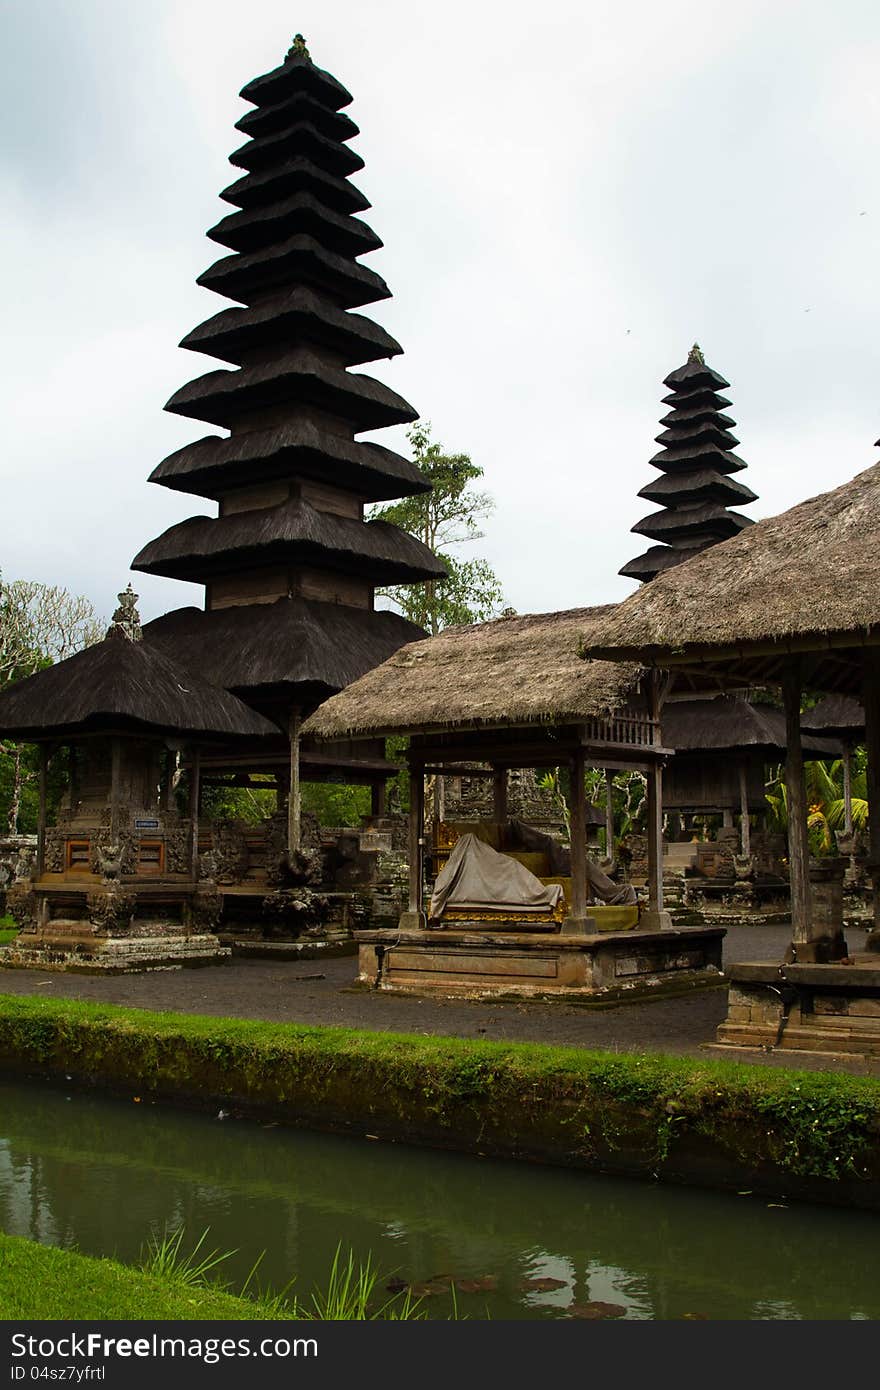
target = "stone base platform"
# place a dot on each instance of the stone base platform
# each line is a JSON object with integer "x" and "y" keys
{"x": 75, "y": 950}
{"x": 833, "y": 1008}
{"x": 481, "y": 963}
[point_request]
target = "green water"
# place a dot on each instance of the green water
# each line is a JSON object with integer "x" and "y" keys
{"x": 83, "y": 1171}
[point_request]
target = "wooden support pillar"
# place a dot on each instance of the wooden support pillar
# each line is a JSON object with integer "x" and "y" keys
{"x": 499, "y": 794}
{"x": 871, "y": 699}
{"x": 294, "y": 796}
{"x": 655, "y": 839}
{"x": 847, "y": 790}
{"x": 195, "y": 796}
{"x": 745, "y": 827}
{"x": 609, "y": 815}
{"x": 115, "y": 768}
{"x": 412, "y": 918}
{"x": 577, "y": 920}
{"x": 727, "y": 817}
{"x": 41, "y": 813}
{"x": 377, "y": 798}
{"x": 654, "y": 918}
{"x": 796, "y": 791}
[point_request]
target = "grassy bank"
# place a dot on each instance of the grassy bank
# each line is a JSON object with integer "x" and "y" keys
{"x": 726, "y": 1124}
{"x": 39, "y": 1281}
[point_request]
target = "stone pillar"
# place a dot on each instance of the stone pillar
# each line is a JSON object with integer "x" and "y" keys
{"x": 801, "y": 948}
{"x": 727, "y": 818}
{"x": 871, "y": 698}
{"x": 412, "y": 919}
{"x": 499, "y": 795}
{"x": 115, "y": 762}
{"x": 826, "y": 884}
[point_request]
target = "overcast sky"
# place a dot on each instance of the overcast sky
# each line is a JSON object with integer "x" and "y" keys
{"x": 569, "y": 194}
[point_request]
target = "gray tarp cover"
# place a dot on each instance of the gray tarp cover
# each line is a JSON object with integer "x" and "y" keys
{"x": 478, "y": 876}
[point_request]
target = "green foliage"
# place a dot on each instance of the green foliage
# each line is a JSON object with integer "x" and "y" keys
{"x": 336, "y": 803}
{"x": 443, "y": 518}
{"x": 166, "y": 1258}
{"x": 825, "y": 802}
{"x": 249, "y": 804}
{"x": 350, "y": 1295}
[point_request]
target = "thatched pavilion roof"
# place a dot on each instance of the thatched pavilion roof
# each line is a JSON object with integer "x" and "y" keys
{"x": 805, "y": 580}
{"x": 122, "y": 685}
{"x": 836, "y": 715}
{"x": 729, "y": 724}
{"x": 512, "y": 672}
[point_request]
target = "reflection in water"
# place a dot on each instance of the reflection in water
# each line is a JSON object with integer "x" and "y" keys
{"x": 98, "y": 1174}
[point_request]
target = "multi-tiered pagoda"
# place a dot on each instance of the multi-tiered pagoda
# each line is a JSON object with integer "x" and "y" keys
{"x": 695, "y": 492}
{"x": 289, "y": 565}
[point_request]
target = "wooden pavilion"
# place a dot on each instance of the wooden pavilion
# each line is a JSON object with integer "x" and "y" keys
{"x": 117, "y": 883}
{"x": 778, "y": 619}
{"x": 289, "y": 565}
{"x": 514, "y": 693}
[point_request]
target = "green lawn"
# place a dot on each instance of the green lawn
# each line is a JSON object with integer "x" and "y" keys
{"x": 41, "y": 1282}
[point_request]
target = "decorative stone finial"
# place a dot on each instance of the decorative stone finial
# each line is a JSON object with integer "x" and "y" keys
{"x": 298, "y": 48}
{"x": 696, "y": 355}
{"x": 126, "y": 621}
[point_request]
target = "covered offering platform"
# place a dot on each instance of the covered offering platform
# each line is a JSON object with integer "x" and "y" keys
{"x": 513, "y": 693}
{"x": 772, "y": 627}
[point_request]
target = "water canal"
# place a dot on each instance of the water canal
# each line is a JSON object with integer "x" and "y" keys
{"x": 82, "y": 1170}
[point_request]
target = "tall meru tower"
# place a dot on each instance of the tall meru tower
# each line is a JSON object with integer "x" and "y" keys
{"x": 289, "y": 564}
{"x": 695, "y": 491}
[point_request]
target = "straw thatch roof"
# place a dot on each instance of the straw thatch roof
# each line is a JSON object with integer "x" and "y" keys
{"x": 804, "y": 580}
{"x": 509, "y": 673}
{"x": 728, "y": 724}
{"x": 836, "y": 715}
{"x": 123, "y": 685}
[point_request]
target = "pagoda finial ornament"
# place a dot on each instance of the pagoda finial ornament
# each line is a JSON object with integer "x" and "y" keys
{"x": 126, "y": 621}
{"x": 298, "y": 48}
{"x": 696, "y": 355}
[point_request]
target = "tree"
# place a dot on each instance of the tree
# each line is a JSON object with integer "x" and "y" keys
{"x": 39, "y": 624}
{"x": 445, "y": 517}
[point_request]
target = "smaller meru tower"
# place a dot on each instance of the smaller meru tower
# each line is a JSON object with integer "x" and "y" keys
{"x": 289, "y": 564}
{"x": 695, "y": 492}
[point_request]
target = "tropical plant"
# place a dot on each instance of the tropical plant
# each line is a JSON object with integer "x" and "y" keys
{"x": 826, "y": 809}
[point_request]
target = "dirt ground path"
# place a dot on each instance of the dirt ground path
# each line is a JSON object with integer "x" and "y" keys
{"x": 320, "y": 992}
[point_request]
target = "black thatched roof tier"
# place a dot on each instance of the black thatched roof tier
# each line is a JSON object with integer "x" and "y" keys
{"x": 702, "y": 484}
{"x": 302, "y": 214}
{"x": 302, "y": 138}
{"x": 124, "y": 686}
{"x": 336, "y": 125}
{"x": 705, "y": 521}
{"x": 296, "y": 175}
{"x": 291, "y": 643}
{"x": 655, "y": 560}
{"x": 297, "y": 315}
{"x": 299, "y": 260}
{"x": 293, "y": 533}
{"x": 212, "y": 467}
{"x": 694, "y": 376}
{"x": 297, "y": 74}
{"x": 696, "y": 455}
{"x": 696, "y": 459}
{"x": 698, "y": 432}
{"x": 838, "y": 716}
{"x": 298, "y": 378}
{"x": 731, "y": 724}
